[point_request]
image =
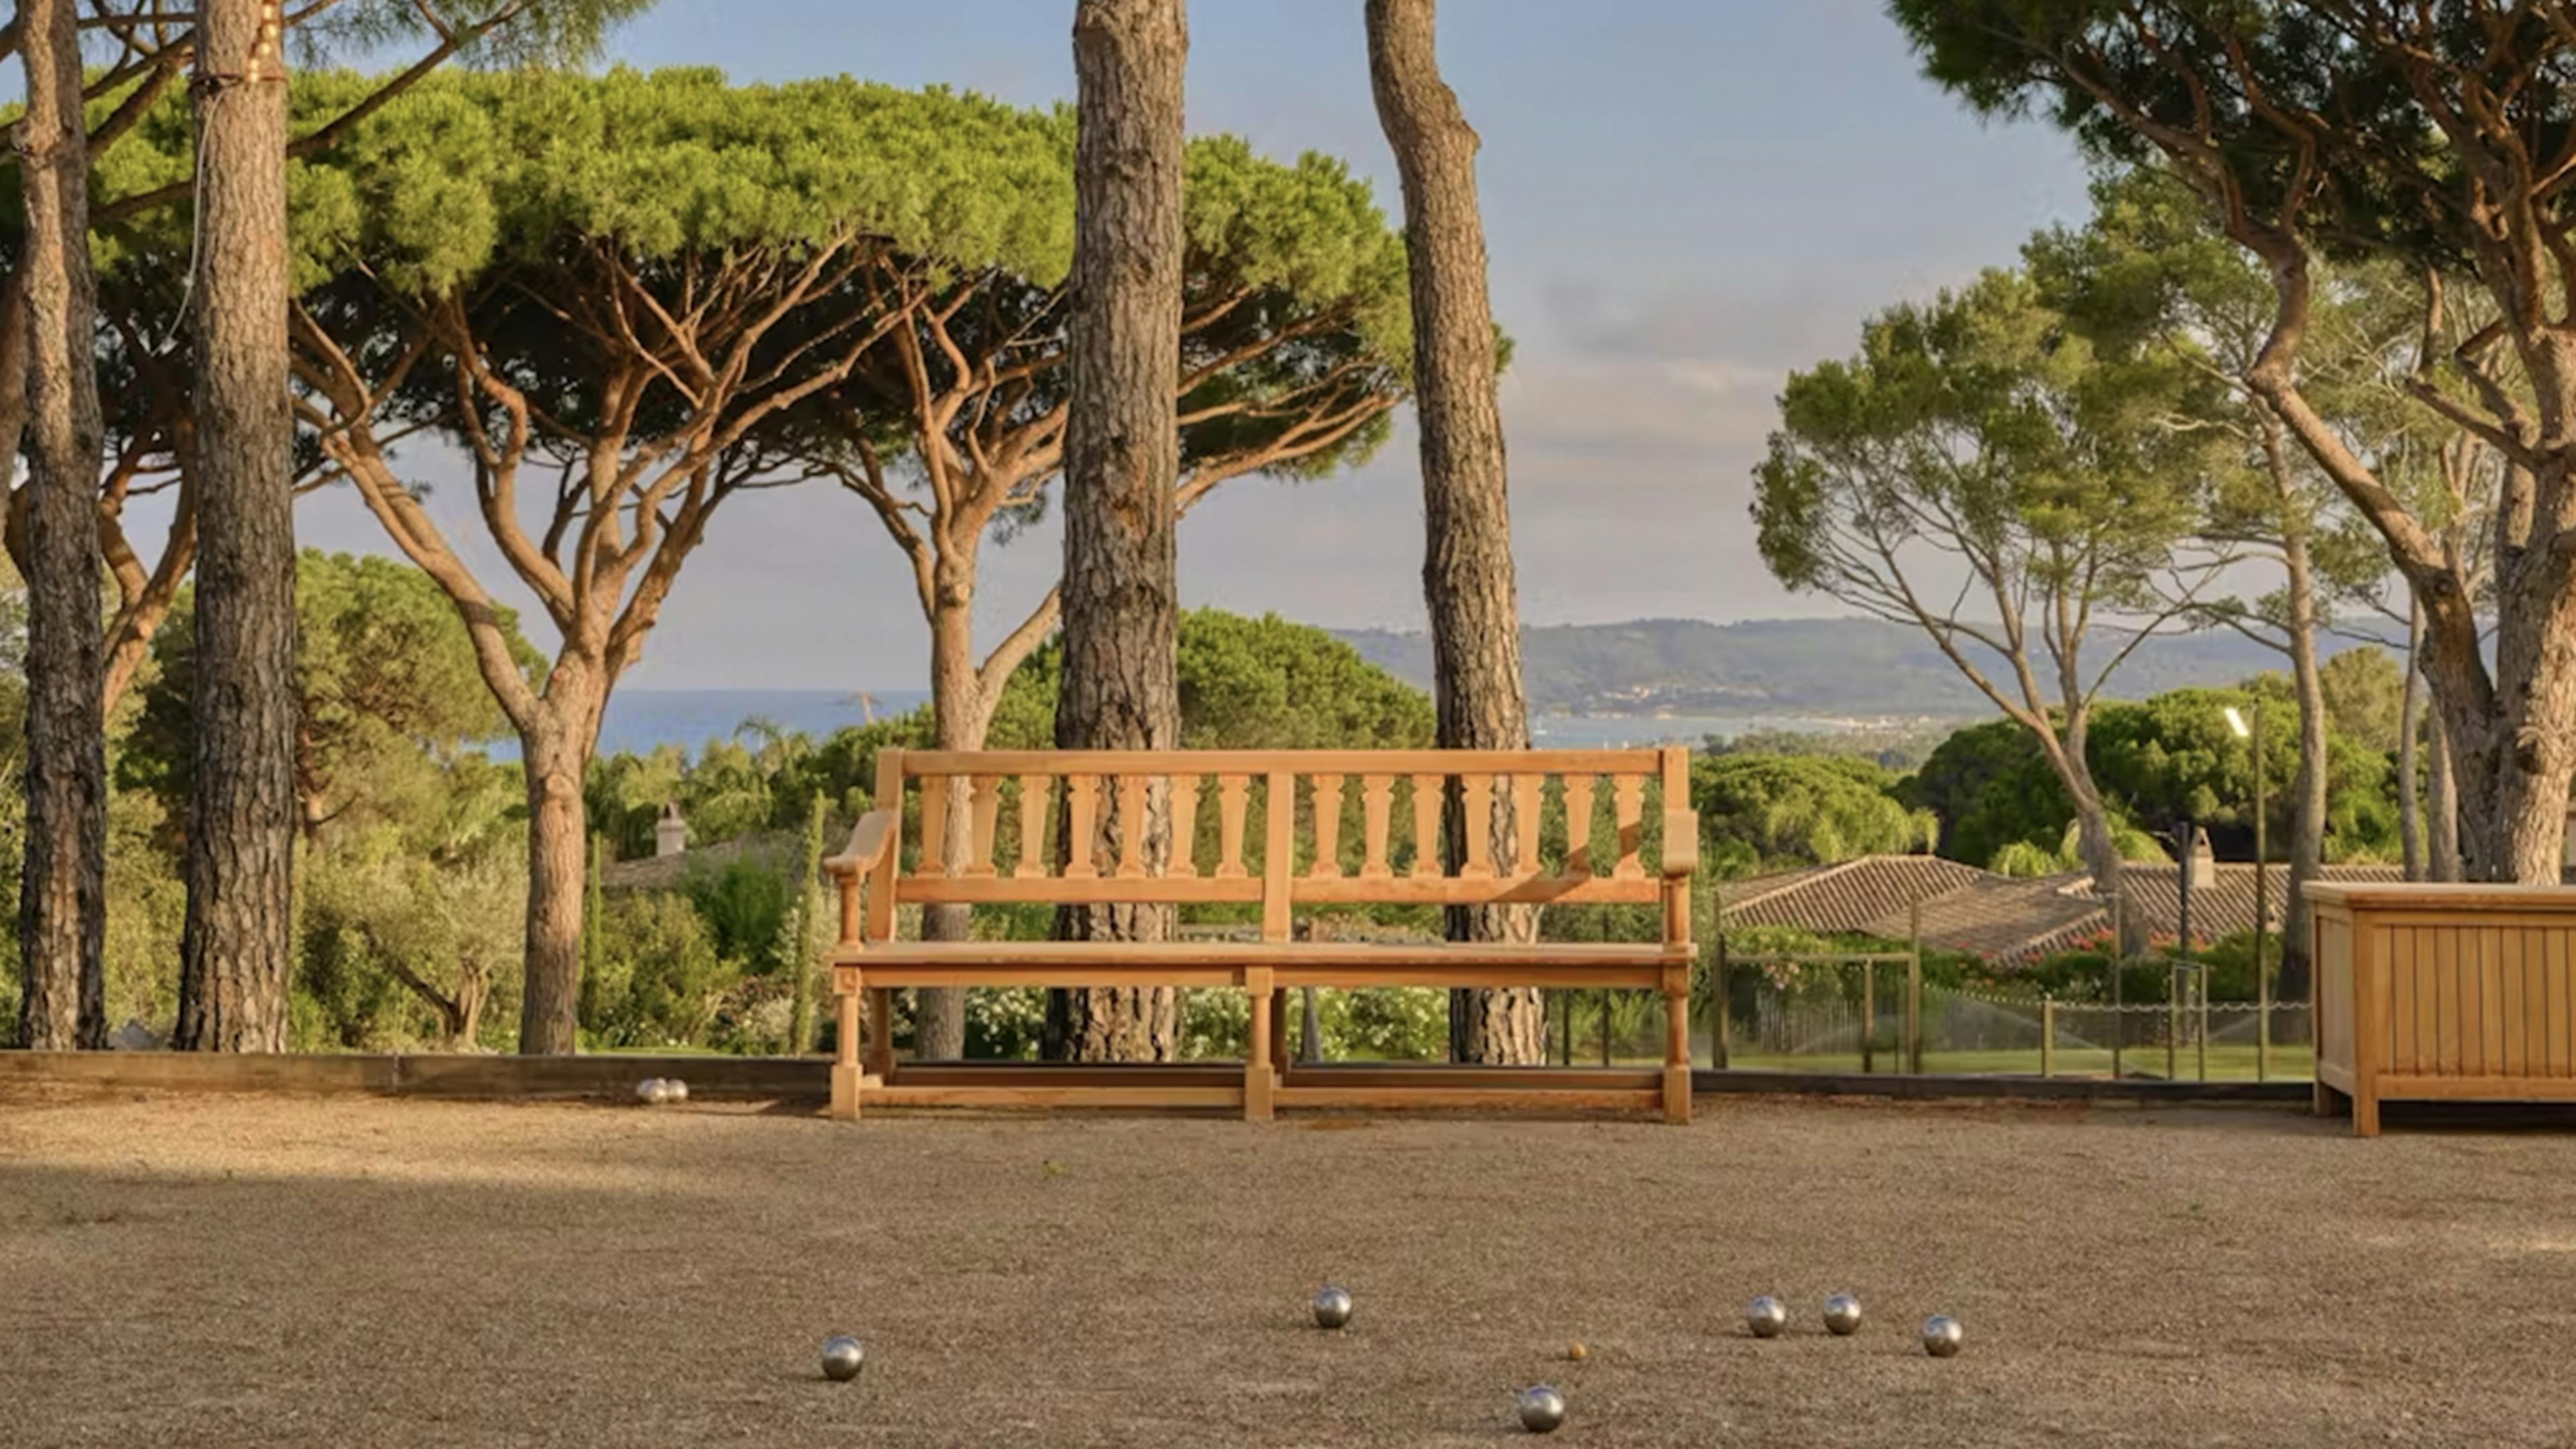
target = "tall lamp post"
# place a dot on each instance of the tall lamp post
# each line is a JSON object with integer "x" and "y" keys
{"x": 2253, "y": 737}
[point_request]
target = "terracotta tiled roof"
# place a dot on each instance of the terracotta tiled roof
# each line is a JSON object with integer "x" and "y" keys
{"x": 1853, "y": 895}
{"x": 2007, "y": 919}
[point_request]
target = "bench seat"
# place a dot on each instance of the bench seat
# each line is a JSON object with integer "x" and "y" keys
{"x": 1341, "y": 964}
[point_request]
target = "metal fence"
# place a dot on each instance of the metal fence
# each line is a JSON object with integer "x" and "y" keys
{"x": 1873, "y": 1012}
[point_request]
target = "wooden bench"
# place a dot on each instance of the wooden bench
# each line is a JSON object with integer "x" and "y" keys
{"x": 1054, "y": 796}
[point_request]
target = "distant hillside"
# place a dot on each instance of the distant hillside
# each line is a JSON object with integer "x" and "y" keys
{"x": 1820, "y": 668}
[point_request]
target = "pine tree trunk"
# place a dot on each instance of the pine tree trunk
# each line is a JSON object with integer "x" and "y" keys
{"x": 62, "y": 905}
{"x": 959, "y": 714}
{"x": 556, "y": 756}
{"x": 2410, "y": 726}
{"x": 1468, "y": 581}
{"x": 237, "y": 950}
{"x": 1121, "y": 464}
{"x": 2442, "y": 802}
{"x": 2308, "y": 787}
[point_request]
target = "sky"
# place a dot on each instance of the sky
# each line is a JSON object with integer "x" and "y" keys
{"x": 1684, "y": 200}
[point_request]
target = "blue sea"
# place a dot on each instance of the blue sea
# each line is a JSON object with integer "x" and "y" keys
{"x": 642, "y": 720}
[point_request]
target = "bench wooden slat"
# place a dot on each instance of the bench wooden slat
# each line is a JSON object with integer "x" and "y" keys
{"x": 1232, "y": 791}
{"x": 1132, "y": 825}
{"x": 1034, "y": 790}
{"x": 1630, "y": 791}
{"x": 1476, "y": 792}
{"x": 1242, "y": 953}
{"x": 1302, "y": 762}
{"x": 1525, "y": 817}
{"x": 1184, "y": 861}
{"x": 1348, "y": 890}
{"x": 1578, "y": 824}
{"x": 1278, "y": 854}
{"x": 1328, "y": 827}
{"x": 1081, "y": 827}
{"x": 1377, "y": 801}
{"x": 934, "y": 826}
{"x": 985, "y": 801}
{"x": 1427, "y": 789}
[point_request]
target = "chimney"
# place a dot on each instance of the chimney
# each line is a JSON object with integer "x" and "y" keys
{"x": 670, "y": 833}
{"x": 2199, "y": 866}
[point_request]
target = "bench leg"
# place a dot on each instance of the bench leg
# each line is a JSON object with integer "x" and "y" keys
{"x": 881, "y": 1033}
{"x": 845, "y": 1063}
{"x": 1258, "y": 1063}
{"x": 1677, "y": 1063}
{"x": 2365, "y": 1110}
{"x": 1279, "y": 1051}
{"x": 2321, "y": 1100}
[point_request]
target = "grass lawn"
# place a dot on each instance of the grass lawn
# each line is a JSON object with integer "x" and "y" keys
{"x": 2228, "y": 1061}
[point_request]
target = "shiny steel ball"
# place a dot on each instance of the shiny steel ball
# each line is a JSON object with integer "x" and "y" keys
{"x": 1332, "y": 1307}
{"x": 652, "y": 1091}
{"x": 675, "y": 1090}
{"x": 1542, "y": 1409}
{"x": 1766, "y": 1316}
{"x": 1942, "y": 1335}
{"x": 842, "y": 1358}
{"x": 1842, "y": 1314}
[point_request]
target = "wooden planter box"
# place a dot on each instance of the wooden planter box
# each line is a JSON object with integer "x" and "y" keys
{"x": 2443, "y": 993}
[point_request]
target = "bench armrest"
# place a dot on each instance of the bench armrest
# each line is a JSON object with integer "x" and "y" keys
{"x": 870, "y": 841}
{"x": 1681, "y": 842}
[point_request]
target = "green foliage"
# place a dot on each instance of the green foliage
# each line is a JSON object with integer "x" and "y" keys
{"x": 1761, "y": 812}
{"x": 2365, "y": 697}
{"x": 1979, "y": 427}
{"x": 661, "y": 978}
{"x": 2170, "y": 758}
{"x": 389, "y": 689}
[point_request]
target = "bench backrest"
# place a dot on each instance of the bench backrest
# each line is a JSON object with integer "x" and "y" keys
{"x": 991, "y": 827}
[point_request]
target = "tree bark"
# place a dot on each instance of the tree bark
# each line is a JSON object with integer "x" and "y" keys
{"x": 2410, "y": 724}
{"x": 959, "y": 716}
{"x": 237, "y": 951}
{"x": 1121, "y": 687}
{"x": 556, "y": 758}
{"x": 1468, "y": 580}
{"x": 2308, "y": 786}
{"x": 2099, "y": 848}
{"x": 62, "y": 907}
{"x": 2442, "y": 802}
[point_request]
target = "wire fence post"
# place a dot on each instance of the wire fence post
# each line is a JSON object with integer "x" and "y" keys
{"x": 2119, "y": 960}
{"x": 2047, "y": 1036}
{"x": 1724, "y": 1025}
{"x": 1869, "y": 1015}
{"x": 2173, "y": 1021}
{"x": 2202, "y": 1044}
{"x": 1914, "y": 987}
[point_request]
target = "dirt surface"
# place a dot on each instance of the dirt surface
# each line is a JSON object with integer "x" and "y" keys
{"x": 349, "y": 1271}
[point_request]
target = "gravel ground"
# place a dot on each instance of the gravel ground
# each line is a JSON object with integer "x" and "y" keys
{"x": 348, "y": 1271}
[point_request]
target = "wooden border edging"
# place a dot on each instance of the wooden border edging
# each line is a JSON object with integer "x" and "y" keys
{"x": 614, "y": 1077}
{"x": 2018, "y": 1088}
{"x": 424, "y": 1074}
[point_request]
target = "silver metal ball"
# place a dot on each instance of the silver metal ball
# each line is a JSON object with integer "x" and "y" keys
{"x": 1332, "y": 1307}
{"x": 652, "y": 1091}
{"x": 1942, "y": 1335}
{"x": 675, "y": 1090}
{"x": 843, "y": 1356}
{"x": 1766, "y": 1316}
{"x": 1542, "y": 1409}
{"x": 1842, "y": 1314}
